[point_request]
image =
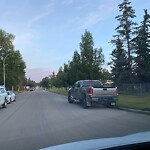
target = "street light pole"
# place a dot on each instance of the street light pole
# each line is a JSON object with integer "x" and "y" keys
{"x": 4, "y": 58}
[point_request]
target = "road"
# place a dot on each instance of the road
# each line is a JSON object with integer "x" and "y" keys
{"x": 41, "y": 119}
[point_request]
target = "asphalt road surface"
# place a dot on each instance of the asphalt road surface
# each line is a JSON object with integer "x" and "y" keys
{"x": 41, "y": 119}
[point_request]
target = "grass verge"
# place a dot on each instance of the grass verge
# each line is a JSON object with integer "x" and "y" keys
{"x": 135, "y": 102}
{"x": 129, "y": 101}
{"x": 62, "y": 91}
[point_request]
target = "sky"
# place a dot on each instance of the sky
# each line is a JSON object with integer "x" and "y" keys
{"x": 47, "y": 32}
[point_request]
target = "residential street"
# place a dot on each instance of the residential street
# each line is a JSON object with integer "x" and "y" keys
{"x": 41, "y": 119}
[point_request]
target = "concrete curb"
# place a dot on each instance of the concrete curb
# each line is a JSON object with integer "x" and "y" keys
{"x": 135, "y": 110}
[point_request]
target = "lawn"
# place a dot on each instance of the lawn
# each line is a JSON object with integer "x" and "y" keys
{"x": 58, "y": 90}
{"x": 130, "y": 101}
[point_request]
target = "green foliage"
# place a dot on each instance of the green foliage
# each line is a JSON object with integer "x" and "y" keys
{"x": 30, "y": 83}
{"x": 119, "y": 64}
{"x": 98, "y": 61}
{"x": 45, "y": 82}
{"x": 126, "y": 31}
{"x": 105, "y": 75}
{"x": 62, "y": 91}
{"x": 6, "y": 40}
{"x": 14, "y": 64}
{"x": 142, "y": 42}
{"x": 84, "y": 65}
{"x": 91, "y": 58}
{"x": 87, "y": 53}
{"x": 134, "y": 101}
{"x": 131, "y": 57}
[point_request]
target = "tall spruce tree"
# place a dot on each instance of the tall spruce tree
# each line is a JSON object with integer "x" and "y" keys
{"x": 119, "y": 64}
{"x": 126, "y": 30}
{"x": 92, "y": 58}
{"x": 98, "y": 61}
{"x": 84, "y": 65}
{"x": 142, "y": 59}
{"x": 76, "y": 67}
{"x": 87, "y": 52}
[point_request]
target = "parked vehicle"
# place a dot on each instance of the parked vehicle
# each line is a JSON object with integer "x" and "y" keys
{"x": 11, "y": 97}
{"x": 3, "y": 97}
{"x": 93, "y": 91}
{"x": 32, "y": 89}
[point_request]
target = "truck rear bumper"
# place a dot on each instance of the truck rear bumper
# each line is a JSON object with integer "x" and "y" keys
{"x": 103, "y": 99}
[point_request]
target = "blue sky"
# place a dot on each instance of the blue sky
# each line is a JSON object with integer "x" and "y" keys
{"x": 47, "y": 32}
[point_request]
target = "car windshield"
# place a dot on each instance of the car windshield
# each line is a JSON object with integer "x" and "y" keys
{"x": 72, "y": 71}
{"x": 2, "y": 90}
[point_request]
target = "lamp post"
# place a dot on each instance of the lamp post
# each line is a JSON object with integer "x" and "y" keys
{"x": 3, "y": 59}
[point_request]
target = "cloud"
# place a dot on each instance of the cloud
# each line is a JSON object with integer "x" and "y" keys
{"x": 88, "y": 20}
{"x": 94, "y": 15}
{"x": 92, "y": 19}
{"x": 44, "y": 12}
{"x": 39, "y": 16}
{"x": 37, "y": 74}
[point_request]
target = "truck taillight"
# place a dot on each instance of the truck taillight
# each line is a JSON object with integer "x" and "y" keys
{"x": 91, "y": 91}
{"x": 116, "y": 91}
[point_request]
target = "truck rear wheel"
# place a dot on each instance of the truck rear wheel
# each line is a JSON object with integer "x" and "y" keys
{"x": 84, "y": 102}
{"x": 69, "y": 98}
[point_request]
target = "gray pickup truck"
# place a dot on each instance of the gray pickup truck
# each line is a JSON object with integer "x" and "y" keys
{"x": 93, "y": 91}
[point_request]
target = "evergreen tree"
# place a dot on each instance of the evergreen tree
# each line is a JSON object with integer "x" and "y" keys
{"x": 75, "y": 68}
{"x": 52, "y": 79}
{"x": 105, "y": 75}
{"x": 98, "y": 61}
{"x": 84, "y": 65}
{"x": 87, "y": 53}
{"x": 142, "y": 59}
{"x": 126, "y": 30}
{"x": 119, "y": 65}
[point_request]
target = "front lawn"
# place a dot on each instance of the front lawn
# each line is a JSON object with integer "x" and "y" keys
{"x": 132, "y": 101}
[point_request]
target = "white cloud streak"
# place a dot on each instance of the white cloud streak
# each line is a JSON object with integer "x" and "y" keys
{"x": 100, "y": 13}
{"x": 45, "y": 11}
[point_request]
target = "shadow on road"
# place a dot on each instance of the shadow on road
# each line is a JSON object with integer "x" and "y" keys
{"x": 94, "y": 106}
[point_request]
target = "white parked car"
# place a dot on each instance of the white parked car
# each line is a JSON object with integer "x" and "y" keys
{"x": 11, "y": 97}
{"x": 3, "y": 97}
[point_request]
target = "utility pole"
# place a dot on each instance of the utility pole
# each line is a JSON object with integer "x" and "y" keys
{"x": 3, "y": 59}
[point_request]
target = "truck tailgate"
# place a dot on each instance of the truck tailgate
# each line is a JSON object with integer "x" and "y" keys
{"x": 105, "y": 91}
